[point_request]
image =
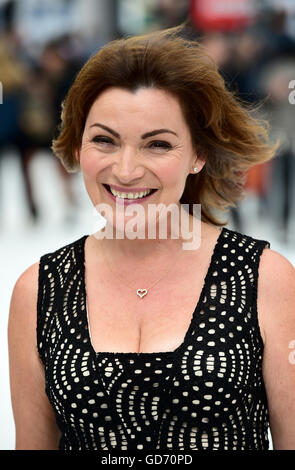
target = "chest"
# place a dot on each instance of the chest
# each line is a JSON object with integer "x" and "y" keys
{"x": 120, "y": 321}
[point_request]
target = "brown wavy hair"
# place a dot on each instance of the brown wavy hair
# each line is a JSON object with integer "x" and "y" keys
{"x": 223, "y": 128}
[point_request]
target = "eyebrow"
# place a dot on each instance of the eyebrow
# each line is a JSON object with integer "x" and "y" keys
{"x": 144, "y": 136}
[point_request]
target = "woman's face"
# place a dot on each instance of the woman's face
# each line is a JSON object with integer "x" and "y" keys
{"x": 136, "y": 141}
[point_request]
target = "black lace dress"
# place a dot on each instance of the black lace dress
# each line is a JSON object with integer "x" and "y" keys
{"x": 207, "y": 394}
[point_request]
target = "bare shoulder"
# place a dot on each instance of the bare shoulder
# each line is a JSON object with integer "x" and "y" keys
{"x": 276, "y": 292}
{"x": 276, "y": 274}
{"x": 24, "y": 298}
{"x": 28, "y": 276}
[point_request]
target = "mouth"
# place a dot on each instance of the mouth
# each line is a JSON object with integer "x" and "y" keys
{"x": 130, "y": 196}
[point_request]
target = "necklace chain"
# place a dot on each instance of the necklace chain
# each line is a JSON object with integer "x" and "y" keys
{"x": 140, "y": 292}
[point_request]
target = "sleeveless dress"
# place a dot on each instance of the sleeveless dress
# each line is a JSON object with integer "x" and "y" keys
{"x": 206, "y": 394}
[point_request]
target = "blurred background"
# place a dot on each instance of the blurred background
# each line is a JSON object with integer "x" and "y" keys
{"x": 43, "y": 43}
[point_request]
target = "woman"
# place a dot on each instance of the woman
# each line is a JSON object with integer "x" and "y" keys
{"x": 106, "y": 323}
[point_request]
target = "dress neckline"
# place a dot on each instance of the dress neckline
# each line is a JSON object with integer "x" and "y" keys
{"x": 149, "y": 355}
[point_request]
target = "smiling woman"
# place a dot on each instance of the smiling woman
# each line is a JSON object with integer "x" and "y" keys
{"x": 122, "y": 150}
{"x": 135, "y": 343}
{"x": 221, "y": 129}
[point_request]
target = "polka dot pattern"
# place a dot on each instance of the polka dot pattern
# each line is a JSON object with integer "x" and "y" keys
{"x": 207, "y": 394}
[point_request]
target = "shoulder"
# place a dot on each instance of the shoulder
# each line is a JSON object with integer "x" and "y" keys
{"x": 276, "y": 294}
{"x": 66, "y": 255}
{"x": 22, "y": 310}
{"x": 26, "y": 284}
{"x": 25, "y": 291}
{"x": 70, "y": 249}
{"x": 275, "y": 283}
{"x": 276, "y": 275}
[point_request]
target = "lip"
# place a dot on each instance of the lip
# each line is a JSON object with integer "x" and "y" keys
{"x": 131, "y": 190}
{"x": 127, "y": 202}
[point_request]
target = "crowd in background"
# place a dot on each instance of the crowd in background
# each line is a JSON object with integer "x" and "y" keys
{"x": 255, "y": 53}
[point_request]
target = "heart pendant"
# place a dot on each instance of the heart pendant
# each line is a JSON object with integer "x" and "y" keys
{"x": 141, "y": 292}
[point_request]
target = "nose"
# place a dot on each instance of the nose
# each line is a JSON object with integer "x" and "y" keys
{"x": 127, "y": 167}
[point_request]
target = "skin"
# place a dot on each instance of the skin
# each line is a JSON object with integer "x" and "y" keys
{"x": 161, "y": 161}
{"x": 131, "y": 162}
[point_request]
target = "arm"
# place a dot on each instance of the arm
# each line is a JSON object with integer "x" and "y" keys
{"x": 276, "y": 304}
{"x": 34, "y": 418}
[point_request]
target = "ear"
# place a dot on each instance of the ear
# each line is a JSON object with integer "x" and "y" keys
{"x": 198, "y": 163}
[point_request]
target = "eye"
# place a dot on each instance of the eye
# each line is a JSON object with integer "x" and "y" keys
{"x": 160, "y": 144}
{"x": 102, "y": 139}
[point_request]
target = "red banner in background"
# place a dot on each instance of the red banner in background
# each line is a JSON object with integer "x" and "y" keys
{"x": 259, "y": 178}
{"x": 222, "y": 15}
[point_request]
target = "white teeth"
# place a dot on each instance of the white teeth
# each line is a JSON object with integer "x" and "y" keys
{"x": 130, "y": 195}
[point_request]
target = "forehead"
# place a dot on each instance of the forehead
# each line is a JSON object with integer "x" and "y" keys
{"x": 145, "y": 105}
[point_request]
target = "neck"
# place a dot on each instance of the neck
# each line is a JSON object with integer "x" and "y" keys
{"x": 151, "y": 249}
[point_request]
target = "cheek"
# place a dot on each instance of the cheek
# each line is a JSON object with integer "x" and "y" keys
{"x": 89, "y": 163}
{"x": 175, "y": 175}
